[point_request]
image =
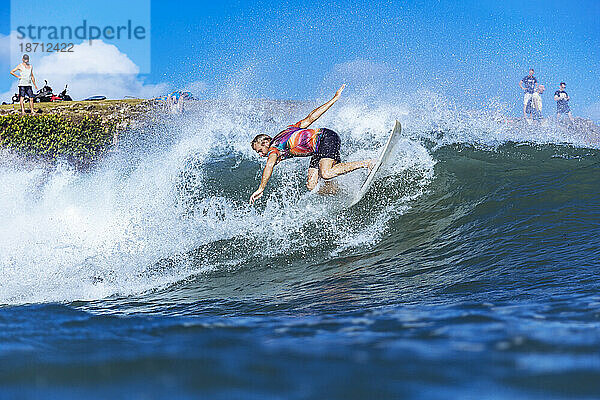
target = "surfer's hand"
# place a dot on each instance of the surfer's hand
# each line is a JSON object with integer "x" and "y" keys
{"x": 340, "y": 90}
{"x": 256, "y": 195}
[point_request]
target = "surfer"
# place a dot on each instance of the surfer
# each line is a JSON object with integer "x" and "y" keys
{"x": 322, "y": 145}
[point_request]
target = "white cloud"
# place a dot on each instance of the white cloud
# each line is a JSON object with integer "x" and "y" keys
{"x": 97, "y": 69}
{"x": 97, "y": 58}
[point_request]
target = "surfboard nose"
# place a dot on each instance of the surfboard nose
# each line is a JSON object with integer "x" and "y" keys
{"x": 384, "y": 156}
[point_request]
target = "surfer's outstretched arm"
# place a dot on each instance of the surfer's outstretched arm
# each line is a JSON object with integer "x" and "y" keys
{"x": 317, "y": 112}
{"x": 271, "y": 161}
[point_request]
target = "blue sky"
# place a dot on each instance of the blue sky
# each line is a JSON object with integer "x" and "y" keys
{"x": 470, "y": 51}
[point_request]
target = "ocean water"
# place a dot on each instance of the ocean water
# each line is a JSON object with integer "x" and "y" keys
{"x": 471, "y": 270}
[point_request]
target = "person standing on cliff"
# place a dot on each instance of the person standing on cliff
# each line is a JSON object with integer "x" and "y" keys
{"x": 26, "y": 79}
{"x": 536, "y": 103}
{"x": 562, "y": 102}
{"x": 530, "y": 85}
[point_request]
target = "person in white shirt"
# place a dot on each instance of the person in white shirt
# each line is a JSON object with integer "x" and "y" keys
{"x": 26, "y": 79}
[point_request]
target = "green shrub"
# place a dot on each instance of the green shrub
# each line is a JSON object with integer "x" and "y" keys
{"x": 53, "y": 137}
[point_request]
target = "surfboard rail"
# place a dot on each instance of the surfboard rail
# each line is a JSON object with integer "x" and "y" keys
{"x": 387, "y": 150}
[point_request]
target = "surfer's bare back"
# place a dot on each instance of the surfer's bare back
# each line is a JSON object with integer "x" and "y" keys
{"x": 323, "y": 145}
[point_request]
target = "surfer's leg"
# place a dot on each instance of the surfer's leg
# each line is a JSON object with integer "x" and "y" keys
{"x": 330, "y": 164}
{"x": 313, "y": 178}
{"x": 313, "y": 172}
{"x": 328, "y": 169}
{"x": 328, "y": 187}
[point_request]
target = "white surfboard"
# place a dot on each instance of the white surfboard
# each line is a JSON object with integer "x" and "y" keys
{"x": 386, "y": 152}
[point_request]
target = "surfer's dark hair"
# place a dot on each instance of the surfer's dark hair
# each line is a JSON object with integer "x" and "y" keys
{"x": 260, "y": 138}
